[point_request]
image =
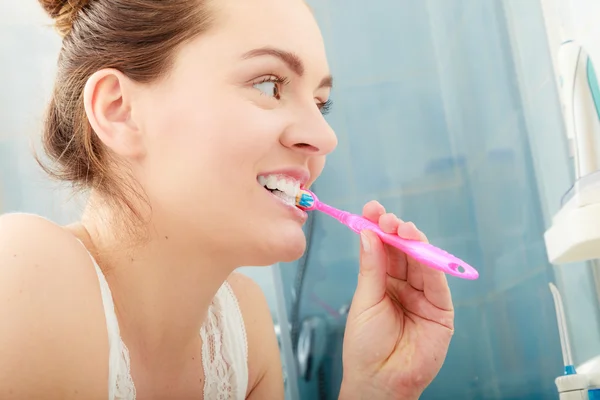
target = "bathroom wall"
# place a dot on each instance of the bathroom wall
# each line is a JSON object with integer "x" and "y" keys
{"x": 578, "y": 282}
{"x": 28, "y": 51}
{"x": 448, "y": 114}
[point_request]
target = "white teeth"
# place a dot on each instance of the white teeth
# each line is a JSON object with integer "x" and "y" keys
{"x": 286, "y": 187}
{"x": 284, "y": 184}
{"x": 285, "y": 198}
{"x": 271, "y": 182}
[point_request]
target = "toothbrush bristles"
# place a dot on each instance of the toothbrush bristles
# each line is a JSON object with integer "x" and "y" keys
{"x": 304, "y": 200}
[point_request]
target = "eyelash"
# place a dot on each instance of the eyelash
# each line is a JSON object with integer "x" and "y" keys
{"x": 279, "y": 80}
{"x": 324, "y": 107}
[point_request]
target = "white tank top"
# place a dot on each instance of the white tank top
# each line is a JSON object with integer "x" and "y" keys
{"x": 224, "y": 348}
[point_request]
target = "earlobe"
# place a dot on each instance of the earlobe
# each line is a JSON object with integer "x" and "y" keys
{"x": 107, "y": 100}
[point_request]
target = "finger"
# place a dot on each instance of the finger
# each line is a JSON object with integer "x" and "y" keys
{"x": 372, "y": 277}
{"x": 432, "y": 282}
{"x": 397, "y": 265}
{"x": 415, "y": 302}
{"x": 408, "y": 230}
{"x": 436, "y": 289}
{"x": 414, "y": 274}
{"x": 423, "y": 237}
{"x": 373, "y": 210}
{"x": 414, "y": 269}
{"x": 389, "y": 223}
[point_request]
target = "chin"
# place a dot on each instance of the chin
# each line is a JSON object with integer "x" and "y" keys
{"x": 293, "y": 253}
{"x": 291, "y": 246}
{"x": 284, "y": 248}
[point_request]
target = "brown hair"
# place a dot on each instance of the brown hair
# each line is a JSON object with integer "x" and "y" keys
{"x": 137, "y": 37}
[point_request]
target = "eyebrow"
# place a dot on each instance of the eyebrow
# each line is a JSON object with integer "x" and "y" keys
{"x": 290, "y": 59}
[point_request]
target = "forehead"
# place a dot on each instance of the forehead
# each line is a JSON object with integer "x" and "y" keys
{"x": 284, "y": 24}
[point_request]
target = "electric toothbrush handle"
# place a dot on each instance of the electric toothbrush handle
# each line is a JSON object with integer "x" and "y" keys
{"x": 425, "y": 253}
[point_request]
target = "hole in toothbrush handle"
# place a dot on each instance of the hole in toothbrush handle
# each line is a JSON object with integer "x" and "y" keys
{"x": 457, "y": 267}
{"x": 425, "y": 253}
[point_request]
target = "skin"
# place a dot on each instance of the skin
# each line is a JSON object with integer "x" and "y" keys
{"x": 195, "y": 142}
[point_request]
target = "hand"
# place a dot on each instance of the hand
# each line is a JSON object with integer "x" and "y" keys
{"x": 401, "y": 319}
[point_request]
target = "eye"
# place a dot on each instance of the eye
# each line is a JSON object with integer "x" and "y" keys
{"x": 271, "y": 86}
{"x": 325, "y": 107}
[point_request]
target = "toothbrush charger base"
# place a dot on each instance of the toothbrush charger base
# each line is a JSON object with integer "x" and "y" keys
{"x": 574, "y": 235}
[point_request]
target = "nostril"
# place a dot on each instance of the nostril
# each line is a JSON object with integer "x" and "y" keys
{"x": 306, "y": 146}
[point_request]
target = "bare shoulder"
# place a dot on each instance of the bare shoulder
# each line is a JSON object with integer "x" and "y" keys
{"x": 265, "y": 380}
{"x": 253, "y": 305}
{"x": 53, "y": 342}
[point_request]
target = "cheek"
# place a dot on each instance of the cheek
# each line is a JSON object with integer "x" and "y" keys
{"x": 215, "y": 141}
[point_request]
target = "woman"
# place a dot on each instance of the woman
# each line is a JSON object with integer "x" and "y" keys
{"x": 174, "y": 115}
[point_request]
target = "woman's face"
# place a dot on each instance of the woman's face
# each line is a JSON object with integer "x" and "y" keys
{"x": 241, "y": 108}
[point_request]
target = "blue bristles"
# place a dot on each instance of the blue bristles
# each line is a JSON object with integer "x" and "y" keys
{"x": 306, "y": 200}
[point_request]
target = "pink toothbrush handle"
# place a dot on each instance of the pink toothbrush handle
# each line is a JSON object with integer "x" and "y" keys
{"x": 423, "y": 252}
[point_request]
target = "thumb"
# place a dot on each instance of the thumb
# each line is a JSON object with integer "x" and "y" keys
{"x": 373, "y": 273}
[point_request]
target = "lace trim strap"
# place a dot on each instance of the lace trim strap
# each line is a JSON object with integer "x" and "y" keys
{"x": 224, "y": 348}
{"x": 120, "y": 384}
{"x": 112, "y": 326}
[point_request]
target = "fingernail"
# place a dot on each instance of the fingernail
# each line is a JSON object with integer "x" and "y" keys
{"x": 366, "y": 244}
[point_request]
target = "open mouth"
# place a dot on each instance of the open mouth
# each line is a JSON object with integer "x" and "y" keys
{"x": 283, "y": 187}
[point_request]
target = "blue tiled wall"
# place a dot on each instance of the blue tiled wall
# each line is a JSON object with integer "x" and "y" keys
{"x": 431, "y": 116}
{"x": 548, "y": 147}
{"x": 30, "y": 48}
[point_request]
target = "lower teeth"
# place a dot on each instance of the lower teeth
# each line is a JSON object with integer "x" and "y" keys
{"x": 284, "y": 197}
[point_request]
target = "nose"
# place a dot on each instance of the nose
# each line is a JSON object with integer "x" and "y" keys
{"x": 310, "y": 134}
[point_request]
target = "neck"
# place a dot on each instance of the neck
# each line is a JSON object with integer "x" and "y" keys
{"x": 161, "y": 288}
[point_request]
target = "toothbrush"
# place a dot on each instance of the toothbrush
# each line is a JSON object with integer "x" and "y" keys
{"x": 423, "y": 252}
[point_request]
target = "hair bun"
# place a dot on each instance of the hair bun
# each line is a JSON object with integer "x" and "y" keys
{"x": 63, "y": 12}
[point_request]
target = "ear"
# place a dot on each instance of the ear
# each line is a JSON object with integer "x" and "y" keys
{"x": 107, "y": 99}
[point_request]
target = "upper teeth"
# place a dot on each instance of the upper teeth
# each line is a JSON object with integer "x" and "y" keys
{"x": 283, "y": 183}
